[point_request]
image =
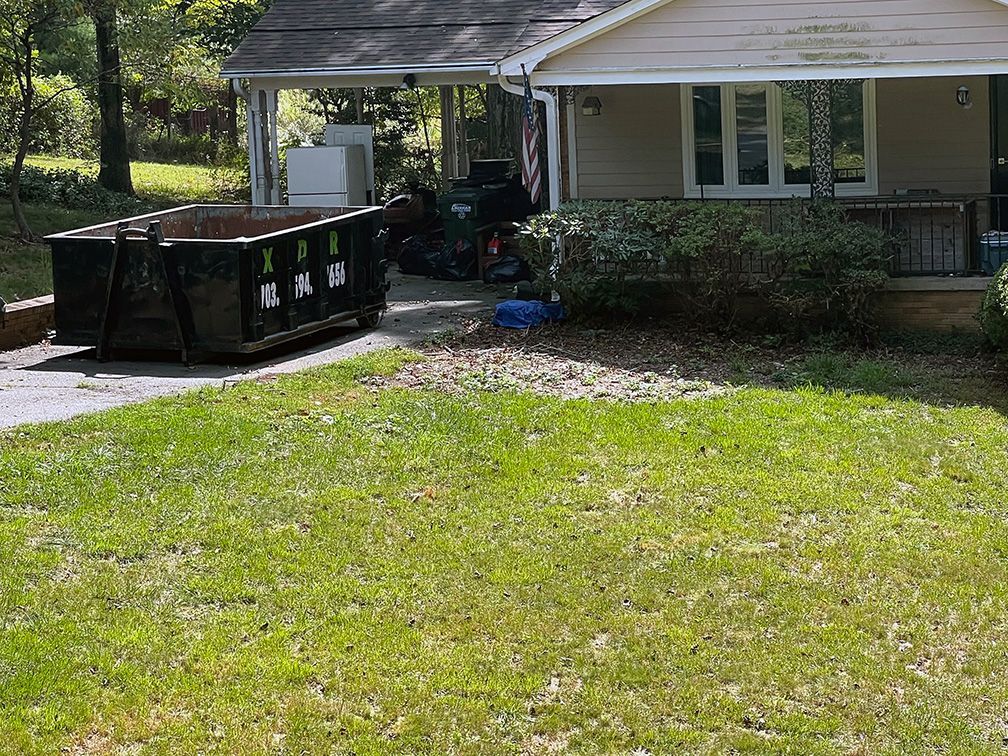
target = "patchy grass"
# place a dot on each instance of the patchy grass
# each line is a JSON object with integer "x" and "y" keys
{"x": 310, "y": 564}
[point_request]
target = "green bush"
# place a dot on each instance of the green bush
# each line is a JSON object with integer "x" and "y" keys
{"x": 609, "y": 250}
{"x": 65, "y": 126}
{"x": 709, "y": 245}
{"x": 994, "y": 311}
{"x": 70, "y": 189}
{"x": 826, "y": 270}
{"x": 816, "y": 270}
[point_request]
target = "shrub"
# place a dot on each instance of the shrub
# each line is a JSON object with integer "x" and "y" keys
{"x": 64, "y": 127}
{"x": 70, "y": 189}
{"x": 609, "y": 250}
{"x": 826, "y": 270}
{"x": 994, "y": 311}
{"x": 817, "y": 270}
{"x": 709, "y": 245}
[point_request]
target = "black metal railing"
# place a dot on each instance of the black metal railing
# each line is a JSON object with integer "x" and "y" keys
{"x": 933, "y": 234}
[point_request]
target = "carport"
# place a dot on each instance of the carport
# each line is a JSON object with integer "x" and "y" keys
{"x": 312, "y": 44}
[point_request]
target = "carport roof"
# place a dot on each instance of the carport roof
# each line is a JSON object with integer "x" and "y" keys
{"x": 335, "y": 36}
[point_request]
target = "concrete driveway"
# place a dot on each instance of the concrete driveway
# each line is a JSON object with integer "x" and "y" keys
{"x": 46, "y": 382}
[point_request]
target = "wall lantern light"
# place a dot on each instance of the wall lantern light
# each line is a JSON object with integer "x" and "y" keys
{"x": 963, "y": 97}
{"x": 592, "y": 106}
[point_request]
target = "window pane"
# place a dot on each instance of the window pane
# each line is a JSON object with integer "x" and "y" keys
{"x": 707, "y": 135}
{"x": 751, "y": 131}
{"x": 797, "y": 154}
{"x": 848, "y": 133}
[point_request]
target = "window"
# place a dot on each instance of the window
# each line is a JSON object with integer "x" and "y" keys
{"x": 753, "y": 140}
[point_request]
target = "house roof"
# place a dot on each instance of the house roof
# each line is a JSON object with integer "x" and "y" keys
{"x": 330, "y": 36}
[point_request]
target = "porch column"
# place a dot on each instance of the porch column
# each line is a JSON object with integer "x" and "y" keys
{"x": 272, "y": 103}
{"x": 818, "y": 98}
{"x": 257, "y": 173}
{"x": 820, "y": 104}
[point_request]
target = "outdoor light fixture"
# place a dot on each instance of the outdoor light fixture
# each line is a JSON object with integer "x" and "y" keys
{"x": 963, "y": 97}
{"x": 408, "y": 82}
{"x": 592, "y": 106}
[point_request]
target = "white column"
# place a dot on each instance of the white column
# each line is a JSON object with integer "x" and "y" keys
{"x": 257, "y": 174}
{"x": 271, "y": 107}
{"x": 572, "y": 150}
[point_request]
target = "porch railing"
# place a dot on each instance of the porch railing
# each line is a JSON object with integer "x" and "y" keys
{"x": 933, "y": 234}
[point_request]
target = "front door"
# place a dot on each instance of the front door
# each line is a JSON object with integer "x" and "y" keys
{"x": 999, "y": 151}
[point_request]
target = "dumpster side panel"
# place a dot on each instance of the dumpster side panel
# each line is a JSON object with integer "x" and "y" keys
{"x": 80, "y": 273}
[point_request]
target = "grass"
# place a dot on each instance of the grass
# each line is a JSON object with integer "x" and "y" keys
{"x": 311, "y": 564}
{"x": 157, "y": 181}
{"x": 26, "y": 270}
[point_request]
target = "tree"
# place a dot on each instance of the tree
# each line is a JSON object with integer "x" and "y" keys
{"x": 114, "y": 170}
{"x": 25, "y": 23}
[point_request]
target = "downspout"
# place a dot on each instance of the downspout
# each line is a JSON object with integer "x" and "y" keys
{"x": 552, "y": 133}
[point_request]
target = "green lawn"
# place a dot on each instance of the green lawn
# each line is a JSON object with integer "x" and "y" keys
{"x": 26, "y": 269}
{"x": 315, "y": 564}
{"x": 157, "y": 181}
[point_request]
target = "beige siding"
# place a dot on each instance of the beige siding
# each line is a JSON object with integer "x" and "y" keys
{"x": 927, "y": 141}
{"x": 689, "y": 33}
{"x": 633, "y": 149}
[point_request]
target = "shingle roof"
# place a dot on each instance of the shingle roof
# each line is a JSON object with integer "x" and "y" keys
{"x": 334, "y": 35}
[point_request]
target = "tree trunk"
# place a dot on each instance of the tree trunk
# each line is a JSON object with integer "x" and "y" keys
{"x": 231, "y": 115}
{"x": 504, "y": 122}
{"x": 114, "y": 172}
{"x": 24, "y": 139}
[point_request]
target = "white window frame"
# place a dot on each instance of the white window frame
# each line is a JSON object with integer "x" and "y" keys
{"x": 775, "y": 148}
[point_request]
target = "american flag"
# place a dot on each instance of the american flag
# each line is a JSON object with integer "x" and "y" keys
{"x": 531, "y": 176}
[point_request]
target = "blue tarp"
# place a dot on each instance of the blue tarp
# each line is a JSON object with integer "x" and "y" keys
{"x": 517, "y": 313}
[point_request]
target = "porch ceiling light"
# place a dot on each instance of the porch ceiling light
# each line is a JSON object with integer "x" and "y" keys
{"x": 408, "y": 82}
{"x": 592, "y": 106}
{"x": 963, "y": 97}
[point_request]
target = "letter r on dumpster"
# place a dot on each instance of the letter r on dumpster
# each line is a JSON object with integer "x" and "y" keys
{"x": 334, "y": 243}
{"x": 267, "y": 260}
{"x": 302, "y": 249}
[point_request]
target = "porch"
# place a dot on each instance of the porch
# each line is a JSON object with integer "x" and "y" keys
{"x": 914, "y": 156}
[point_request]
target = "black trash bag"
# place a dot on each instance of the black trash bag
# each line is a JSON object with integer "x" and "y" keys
{"x": 417, "y": 257}
{"x": 508, "y": 269}
{"x": 457, "y": 262}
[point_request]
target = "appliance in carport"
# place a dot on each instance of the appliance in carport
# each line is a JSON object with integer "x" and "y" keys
{"x": 338, "y": 174}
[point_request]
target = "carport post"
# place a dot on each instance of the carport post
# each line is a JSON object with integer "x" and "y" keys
{"x": 272, "y": 96}
{"x": 257, "y": 173}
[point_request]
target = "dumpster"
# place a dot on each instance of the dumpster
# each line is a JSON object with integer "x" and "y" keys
{"x": 217, "y": 279}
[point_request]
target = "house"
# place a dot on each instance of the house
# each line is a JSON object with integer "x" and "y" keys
{"x": 898, "y": 108}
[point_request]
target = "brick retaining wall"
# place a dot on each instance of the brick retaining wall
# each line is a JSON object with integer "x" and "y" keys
{"x": 26, "y": 322}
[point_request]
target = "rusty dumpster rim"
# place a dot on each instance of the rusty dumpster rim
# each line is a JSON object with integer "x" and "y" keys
{"x": 242, "y": 240}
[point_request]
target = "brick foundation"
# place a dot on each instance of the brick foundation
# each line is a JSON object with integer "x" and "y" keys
{"x": 26, "y": 322}
{"x": 932, "y": 304}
